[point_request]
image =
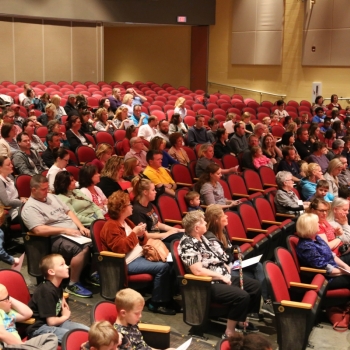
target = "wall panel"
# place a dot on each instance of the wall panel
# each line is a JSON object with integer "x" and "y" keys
{"x": 7, "y": 63}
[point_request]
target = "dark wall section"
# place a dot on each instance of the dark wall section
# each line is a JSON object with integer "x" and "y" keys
{"x": 198, "y": 12}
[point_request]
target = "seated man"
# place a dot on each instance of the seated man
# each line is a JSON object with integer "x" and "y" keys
{"x": 70, "y": 107}
{"x": 163, "y": 131}
{"x": 157, "y": 174}
{"x": 138, "y": 117}
{"x": 45, "y": 215}
{"x": 53, "y": 141}
{"x": 12, "y": 311}
{"x": 239, "y": 141}
{"x": 302, "y": 143}
{"x": 337, "y": 149}
{"x": 138, "y": 99}
{"x": 247, "y": 157}
{"x": 136, "y": 150}
{"x": 148, "y": 131}
{"x": 288, "y": 163}
{"x": 198, "y": 133}
{"x": 27, "y": 161}
{"x": 9, "y": 117}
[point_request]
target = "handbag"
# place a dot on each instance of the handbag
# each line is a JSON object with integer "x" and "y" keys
{"x": 339, "y": 316}
{"x": 155, "y": 250}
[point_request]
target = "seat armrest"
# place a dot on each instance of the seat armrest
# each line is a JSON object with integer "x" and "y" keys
{"x": 310, "y": 269}
{"x": 239, "y": 239}
{"x": 296, "y": 304}
{"x": 270, "y": 185}
{"x": 240, "y": 195}
{"x": 183, "y": 184}
{"x": 256, "y": 230}
{"x": 145, "y": 327}
{"x": 173, "y": 221}
{"x": 29, "y": 321}
{"x": 115, "y": 255}
{"x": 303, "y": 285}
{"x": 271, "y": 222}
{"x": 198, "y": 278}
{"x": 285, "y": 215}
{"x": 255, "y": 189}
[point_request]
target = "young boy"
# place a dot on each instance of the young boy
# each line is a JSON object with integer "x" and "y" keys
{"x": 213, "y": 125}
{"x": 50, "y": 309}
{"x": 193, "y": 201}
{"x": 322, "y": 188}
{"x": 11, "y": 311}
{"x": 129, "y": 304}
{"x": 102, "y": 336}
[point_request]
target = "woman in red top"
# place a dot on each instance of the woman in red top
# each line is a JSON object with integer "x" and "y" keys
{"x": 334, "y": 103}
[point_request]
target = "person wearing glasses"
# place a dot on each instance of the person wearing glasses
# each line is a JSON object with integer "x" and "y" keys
{"x": 286, "y": 201}
{"x": 61, "y": 157}
{"x": 9, "y": 117}
{"x": 136, "y": 151}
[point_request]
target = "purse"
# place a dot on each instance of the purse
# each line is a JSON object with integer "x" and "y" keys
{"x": 339, "y": 316}
{"x": 155, "y": 250}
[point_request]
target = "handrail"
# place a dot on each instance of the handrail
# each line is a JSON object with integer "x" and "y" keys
{"x": 339, "y": 98}
{"x": 246, "y": 89}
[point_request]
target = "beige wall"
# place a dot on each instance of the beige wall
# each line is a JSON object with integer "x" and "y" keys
{"x": 50, "y": 50}
{"x": 291, "y": 78}
{"x": 161, "y": 54}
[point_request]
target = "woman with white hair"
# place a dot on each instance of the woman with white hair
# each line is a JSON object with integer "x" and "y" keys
{"x": 338, "y": 217}
{"x": 335, "y": 167}
{"x": 56, "y": 100}
{"x": 286, "y": 201}
{"x": 127, "y": 102}
{"x": 180, "y": 107}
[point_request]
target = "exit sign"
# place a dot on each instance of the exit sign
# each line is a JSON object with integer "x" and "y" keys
{"x": 181, "y": 19}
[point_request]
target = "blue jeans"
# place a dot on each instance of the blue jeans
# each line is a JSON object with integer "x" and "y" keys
{"x": 4, "y": 256}
{"x": 60, "y": 330}
{"x": 256, "y": 272}
{"x": 161, "y": 273}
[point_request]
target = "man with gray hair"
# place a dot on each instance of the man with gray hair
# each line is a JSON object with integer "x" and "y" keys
{"x": 136, "y": 151}
{"x": 337, "y": 149}
{"x": 344, "y": 176}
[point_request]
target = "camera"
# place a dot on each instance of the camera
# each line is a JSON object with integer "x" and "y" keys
{"x": 343, "y": 248}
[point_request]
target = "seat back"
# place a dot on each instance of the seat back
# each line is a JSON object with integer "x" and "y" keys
{"x": 264, "y": 210}
{"x": 180, "y": 197}
{"x": 249, "y": 216}
{"x": 178, "y": 265}
{"x": 168, "y": 209}
{"x": 72, "y": 157}
{"x": 229, "y": 161}
{"x": 104, "y": 137}
{"x": 15, "y": 284}
{"x": 192, "y": 167}
{"x": 271, "y": 199}
{"x": 267, "y": 176}
{"x": 237, "y": 186}
{"x": 119, "y": 135}
{"x": 277, "y": 130}
{"x": 74, "y": 170}
{"x": 103, "y": 311}
{"x": 90, "y": 139}
{"x": 223, "y": 345}
{"x": 190, "y": 152}
{"x": 95, "y": 229}
{"x": 22, "y": 183}
{"x": 41, "y": 131}
{"x": 286, "y": 263}
{"x": 252, "y": 179}
{"x": 292, "y": 242}
{"x": 85, "y": 154}
{"x": 235, "y": 227}
{"x": 227, "y": 192}
{"x": 180, "y": 173}
{"x": 276, "y": 282}
{"x": 73, "y": 339}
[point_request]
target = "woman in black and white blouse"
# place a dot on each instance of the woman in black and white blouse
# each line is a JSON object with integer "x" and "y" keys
{"x": 203, "y": 259}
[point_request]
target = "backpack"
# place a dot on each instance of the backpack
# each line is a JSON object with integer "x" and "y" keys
{"x": 155, "y": 250}
{"x": 6, "y": 100}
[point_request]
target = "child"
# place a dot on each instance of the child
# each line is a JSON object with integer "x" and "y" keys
{"x": 322, "y": 188}
{"x": 213, "y": 125}
{"x": 275, "y": 121}
{"x": 102, "y": 336}
{"x": 11, "y": 311}
{"x": 259, "y": 159}
{"x": 192, "y": 200}
{"x": 50, "y": 309}
{"x": 129, "y": 304}
{"x": 304, "y": 119}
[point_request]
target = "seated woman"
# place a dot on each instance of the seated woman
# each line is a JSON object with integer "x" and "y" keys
{"x": 8, "y": 144}
{"x": 222, "y": 146}
{"x": 112, "y": 177}
{"x": 87, "y": 123}
{"x": 89, "y": 177}
{"x": 203, "y": 259}
{"x": 335, "y": 167}
{"x": 338, "y": 217}
{"x": 75, "y": 136}
{"x": 29, "y": 99}
{"x": 269, "y": 148}
{"x": 104, "y": 151}
{"x": 106, "y": 104}
{"x": 85, "y": 210}
{"x": 288, "y": 139}
{"x": 308, "y": 184}
{"x": 120, "y": 235}
{"x": 319, "y": 103}
{"x": 334, "y": 103}
{"x": 103, "y": 124}
{"x": 143, "y": 212}
{"x": 35, "y": 142}
{"x": 210, "y": 189}
{"x": 55, "y": 126}
{"x": 159, "y": 144}
{"x": 131, "y": 132}
{"x": 318, "y": 156}
{"x": 8, "y": 192}
{"x": 180, "y": 107}
{"x": 314, "y": 252}
{"x": 61, "y": 157}
{"x": 177, "y": 125}
{"x": 127, "y": 102}
{"x": 286, "y": 200}
{"x": 50, "y": 114}
{"x": 120, "y": 119}
{"x": 314, "y": 133}
{"x": 216, "y": 221}
{"x": 205, "y": 157}
{"x": 132, "y": 168}
{"x": 60, "y": 112}
{"x": 176, "y": 151}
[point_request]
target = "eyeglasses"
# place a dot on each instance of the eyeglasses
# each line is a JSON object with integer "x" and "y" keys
{"x": 6, "y": 299}
{"x": 323, "y": 211}
{"x": 66, "y": 160}
{"x": 290, "y": 180}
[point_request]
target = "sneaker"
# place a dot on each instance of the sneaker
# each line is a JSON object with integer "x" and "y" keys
{"x": 267, "y": 308}
{"x": 163, "y": 310}
{"x": 224, "y": 336}
{"x": 255, "y": 316}
{"x": 250, "y": 328}
{"x": 94, "y": 279}
{"x": 78, "y": 290}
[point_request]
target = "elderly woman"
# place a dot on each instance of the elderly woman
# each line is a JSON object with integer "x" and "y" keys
{"x": 222, "y": 146}
{"x": 127, "y": 102}
{"x": 103, "y": 124}
{"x": 56, "y": 99}
{"x": 89, "y": 177}
{"x": 132, "y": 168}
{"x": 180, "y": 107}
{"x": 308, "y": 184}
{"x": 314, "y": 252}
{"x": 286, "y": 200}
{"x": 35, "y": 142}
{"x": 216, "y": 225}
{"x": 143, "y": 212}
{"x": 319, "y": 103}
{"x": 8, "y": 144}
{"x": 338, "y": 217}
{"x": 75, "y": 136}
{"x": 176, "y": 151}
{"x": 176, "y": 125}
{"x": 112, "y": 177}
{"x": 159, "y": 144}
{"x": 85, "y": 210}
{"x": 335, "y": 167}
{"x": 120, "y": 235}
{"x": 104, "y": 151}
{"x": 50, "y": 114}
{"x": 210, "y": 189}
{"x": 203, "y": 259}
{"x": 131, "y": 132}
{"x": 319, "y": 149}
{"x": 61, "y": 157}
{"x": 205, "y": 155}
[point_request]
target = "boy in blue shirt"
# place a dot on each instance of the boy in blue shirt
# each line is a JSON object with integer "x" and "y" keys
{"x": 319, "y": 115}
{"x": 193, "y": 202}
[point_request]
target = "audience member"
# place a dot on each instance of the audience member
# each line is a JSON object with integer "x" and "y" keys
{"x": 131, "y": 132}
{"x": 87, "y": 124}
{"x": 247, "y": 159}
{"x": 55, "y": 126}
{"x": 318, "y": 155}
{"x": 176, "y": 151}
{"x": 104, "y": 103}
{"x": 231, "y": 119}
{"x": 70, "y": 107}
{"x": 29, "y": 99}
{"x": 163, "y": 131}
{"x": 259, "y": 132}
{"x": 338, "y": 127}
{"x": 288, "y": 163}
{"x": 203, "y": 99}
{"x": 249, "y": 126}
{"x": 18, "y": 120}
{"x": 338, "y": 217}
{"x": 329, "y": 137}
{"x": 322, "y": 189}
{"x": 23, "y": 95}
{"x": 319, "y": 103}
{"x": 53, "y": 141}
{"x": 45, "y": 215}
{"x": 280, "y": 111}
{"x": 197, "y": 133}
{"x": 319, "y": 115}
{"x": 222, "y": 146}
{"x": 132, "y": 168}
{"x": 26, "y": 160}
{"x": 335, "y": 167}
{"x": 193, "y": 201}
{"x": 136, "y": 150}
{"x": 137, "y": 99}
{"x": 326, "y": 125}
{"x": 128, "y": 103}
{"x": 213, "y": 125}
{"x": 61, "y": 157}
{"x": 276, "y": 121}
{"x": 35, "y": 141}
{"x": 60, "y": 112}
{"x": 50, "y": 114}
{"x": 334, "y": 103}
{"x": 148, "y": 131}
{"x": 159, "y": 144}
{"x": 314, "y": 133}
{"x": 346, "y": 150}
{"x": 177, "y": 124}
{"x": 104, "y": 151}
{"x": 8, "y": 145}
{"x": 103, "y": 124}
{"x": 238, "y": 141}
{"x": 269, "y": 148}
{"x": 337, "y": 149}
{"x": 9, "y": 117}
{"x": 138, "y": 117}
{"x": 302, "y": 143}
{"x": 120, "y": 119}
{"x": 115, "y": 99}
{"x": 259, "y": 159}
{"x": 74, "y": 134}
{"x": 344, "y": 176}
{"x": 180, "y": 107}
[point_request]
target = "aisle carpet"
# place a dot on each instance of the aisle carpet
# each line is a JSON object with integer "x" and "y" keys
{"x": 81, "y": 313}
